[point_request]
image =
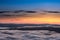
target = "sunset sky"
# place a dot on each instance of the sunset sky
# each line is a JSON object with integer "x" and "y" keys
{"x": 12, "y": 5}
{"x": 36, "y": 19}
{"x": 30, "y": 5}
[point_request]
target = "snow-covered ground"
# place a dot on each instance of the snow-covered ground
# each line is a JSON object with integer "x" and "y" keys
{"x": 29, "y": 35}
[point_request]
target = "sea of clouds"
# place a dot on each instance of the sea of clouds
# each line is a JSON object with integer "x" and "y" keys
{"x": 29, "y": 35}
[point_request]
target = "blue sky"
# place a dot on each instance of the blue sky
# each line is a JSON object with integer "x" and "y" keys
{"x": 29, "y": 4}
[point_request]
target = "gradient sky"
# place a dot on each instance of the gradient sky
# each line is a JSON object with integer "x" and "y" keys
{"x": 29, "y": 4}
{"x": 49, "y": 18}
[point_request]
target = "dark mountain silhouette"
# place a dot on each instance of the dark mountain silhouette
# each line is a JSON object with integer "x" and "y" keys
{"x": 30, "y": 11}
{"x": 24, "y": 11}
{"x": 4, "y": 11}
{"x": 52, "y": 11}
{"x": 18, "y": 11}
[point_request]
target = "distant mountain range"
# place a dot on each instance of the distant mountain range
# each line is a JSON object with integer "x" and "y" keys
{"x": 23, "y": 12}
{"x": 15, "y": 13}
{"x": 18, "y": 11}
{"x": 52, "y": 11}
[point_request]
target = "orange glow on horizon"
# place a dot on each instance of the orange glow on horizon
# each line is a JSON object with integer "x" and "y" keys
{"x": 46, "y": 19}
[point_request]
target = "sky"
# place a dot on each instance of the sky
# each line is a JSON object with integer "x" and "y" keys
{"x": 48, "y": 18}
{"x": 29, "y": 5}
